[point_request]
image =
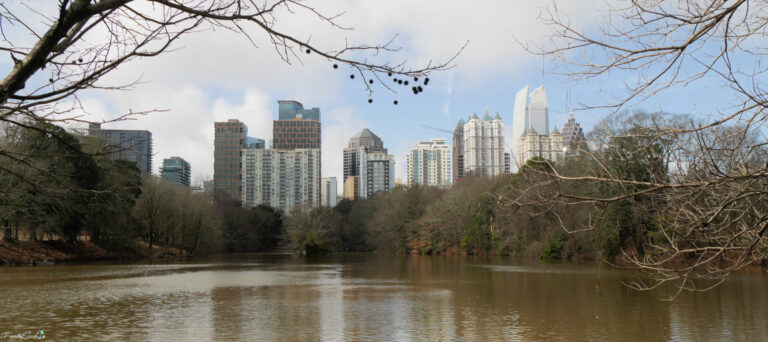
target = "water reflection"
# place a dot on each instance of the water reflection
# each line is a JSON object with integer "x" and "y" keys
{"x": 369, "y": 298}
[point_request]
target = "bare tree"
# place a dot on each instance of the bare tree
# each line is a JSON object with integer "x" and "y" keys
{"x": 87, "y": 39}
{"x": 702, "y": 184}
{"x": 83, "y": 40}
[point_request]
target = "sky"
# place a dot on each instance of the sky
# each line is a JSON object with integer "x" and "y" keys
{"x": 214, "y": 75}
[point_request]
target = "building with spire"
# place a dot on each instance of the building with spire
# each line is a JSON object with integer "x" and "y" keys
{"x": 572, "y": 134}
{"x": 429, "y": 163}
{"x": 548, "y": 146}
{"x": 530, "y": 128}
{"x": 368, "y": 168}
{"x": 531, "y": 115}
{"x": 484, "y": 145}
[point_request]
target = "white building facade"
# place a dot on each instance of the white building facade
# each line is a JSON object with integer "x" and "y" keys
{"x": 283, "y": 179}
{"x": 328, "y": 191}
{"x": 549, "y": 147}
{"x": 376, "y": 173}
{"x": 484, "y": 145}
{"x": 429, "y": 163}
{"x": 531, "y": 114}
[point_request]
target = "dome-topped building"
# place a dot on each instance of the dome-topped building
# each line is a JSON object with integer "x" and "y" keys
{"x": 368, "y": 168}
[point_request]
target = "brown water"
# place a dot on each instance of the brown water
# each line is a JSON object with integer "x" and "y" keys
{"x": 367, "y": 298}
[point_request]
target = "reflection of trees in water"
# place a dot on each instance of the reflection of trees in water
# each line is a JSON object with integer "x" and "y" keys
{"x": 734, "y": 311}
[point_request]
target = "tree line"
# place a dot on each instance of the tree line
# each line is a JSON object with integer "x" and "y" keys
{"x": 632, "y": 192}
{"x": 57, "y": 185}
{"x": 625, "y": 194}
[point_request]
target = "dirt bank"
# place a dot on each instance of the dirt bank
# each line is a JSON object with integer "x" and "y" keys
{"x": 22, "y": 252}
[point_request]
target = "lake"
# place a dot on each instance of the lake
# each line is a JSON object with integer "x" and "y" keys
{"x": 367, "y": 297}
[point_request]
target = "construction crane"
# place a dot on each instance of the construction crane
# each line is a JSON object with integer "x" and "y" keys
{"x": 442, "y": 130}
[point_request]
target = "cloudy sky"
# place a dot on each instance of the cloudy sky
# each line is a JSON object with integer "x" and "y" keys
{"x": 215, "y": 75}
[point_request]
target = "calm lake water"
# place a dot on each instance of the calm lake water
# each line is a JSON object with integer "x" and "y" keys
{"x": 368, "y": 298}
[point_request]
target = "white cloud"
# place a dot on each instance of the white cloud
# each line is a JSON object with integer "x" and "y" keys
{"x": 186, "y": 129}
{"x": 217, "y": 74}
{"x": 401, "y": 157}
{"x": 339, "y": 124}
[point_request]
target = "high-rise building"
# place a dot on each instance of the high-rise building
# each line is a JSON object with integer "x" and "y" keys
{"x": 484, "y": 145}
{"x": 457, "y": 153}
{"x": 286, "y": 177}
{"x": 176, "y": 170}
{"x": 429, "y": 163}
{"x": 283, "y": 179}
{"x": 296, "y": 127}
{"x": 532, "y": 116}
{"x": 365, "y": 140}
{"x": 549, "y": 146}
{"x": 377, "y": 173}
{"x": 230, "y": 138}
{"x": 507, "y": 164}
{"x": 328, "y": 192}
{"x": 366, "y": 158}
{"x": 255, "y": 143}
{"x": 351, "y": 187}
{"x": 124, "y": 144}
{"x": 572, "y": 133}
{"x": 289, "y": 110}
{"x": 530, "y": 128}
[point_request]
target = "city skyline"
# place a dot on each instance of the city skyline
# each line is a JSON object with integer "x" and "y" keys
{"x": 245, "y": 83}
{"x": 262, "y": 143}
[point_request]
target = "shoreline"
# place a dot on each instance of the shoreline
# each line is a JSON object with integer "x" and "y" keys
{"x": 49, "y": 252}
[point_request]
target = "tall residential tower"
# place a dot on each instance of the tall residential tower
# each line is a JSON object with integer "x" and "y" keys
{"x": 286, "y": 177}
{"x": 429, "y": 163}
{"x": 484, "y": 146}
{"x": 176, "y": 170}
{"x": 125, "y": 144}
{"x": 230, "y": 138}
{"x": 368, "y": 168}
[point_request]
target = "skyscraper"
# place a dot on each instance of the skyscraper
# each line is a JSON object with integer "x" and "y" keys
{"x": 429, "y": 163}
{"x": 377, "y": 173}
{"x": 530, "y": 129}
{"x": 549, "y": 146}
{"x": 288, "y": 176}
{"x": 283, "y": 179}
{"x": 457, "y": 153}
{"x": 125, "y": 144}
{"x": 366, "y": 158}
{"x": 328, "y": 191}
{"x": 484, "y": 145}
{"x": 296, "y": 127}
{"x": 532, "y": 116}
{"x": 572, "y": 133}
{"x": 230, "y": 138}
{"x": 351, "y": 187}
{"x": 365, "y": 140}
{"x": 176, "y": 170}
